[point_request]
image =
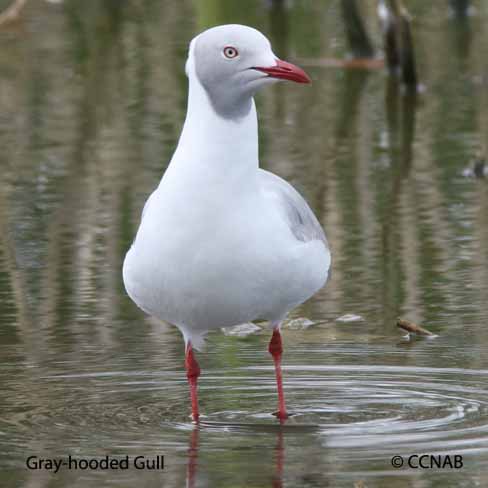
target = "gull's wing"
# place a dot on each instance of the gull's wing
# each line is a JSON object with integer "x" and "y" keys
{"x": 295, "y": 209}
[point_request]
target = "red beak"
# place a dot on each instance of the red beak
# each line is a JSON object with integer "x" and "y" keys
{"x": 286, "y": 71}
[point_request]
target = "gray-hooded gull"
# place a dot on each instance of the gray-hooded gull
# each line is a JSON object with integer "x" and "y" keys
{"x": 222, "y": 242}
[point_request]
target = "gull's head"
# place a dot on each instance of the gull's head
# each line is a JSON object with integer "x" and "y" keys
{"x": 231, "y": 62}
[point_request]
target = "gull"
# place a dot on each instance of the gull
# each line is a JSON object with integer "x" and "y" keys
{"x": 222, "y": 242}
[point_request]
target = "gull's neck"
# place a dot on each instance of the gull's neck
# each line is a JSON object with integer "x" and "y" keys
{"x": 215, "y": 150}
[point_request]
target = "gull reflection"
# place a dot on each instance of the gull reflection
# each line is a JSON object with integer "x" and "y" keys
{"x": 279, "y": 456}
{"x": 192, "y": 461}
{"x": 191, "y": 469}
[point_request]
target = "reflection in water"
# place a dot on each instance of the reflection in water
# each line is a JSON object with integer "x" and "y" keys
{"x": 279, "y": 452}
{"x": 192, "y": 466}
{"x": 279, "y": 28}
{"x": 191, "y": 470}
{"x": 400, "y": 109}
{"x": 92, "y": 98}
{"x": 278, "y": 459}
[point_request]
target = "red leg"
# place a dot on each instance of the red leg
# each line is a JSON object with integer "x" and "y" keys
{"x": 275, "y": 349}
{"x": 192, "y": 373}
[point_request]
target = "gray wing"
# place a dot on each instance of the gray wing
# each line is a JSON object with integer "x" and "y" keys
{"x": 296, "y": 211}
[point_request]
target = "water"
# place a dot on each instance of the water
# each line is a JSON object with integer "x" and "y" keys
{"x": 92, "y": 98}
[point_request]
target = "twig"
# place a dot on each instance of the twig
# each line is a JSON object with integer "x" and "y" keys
{"x": 12, "y": 12}
{"x": 412, "y": 328}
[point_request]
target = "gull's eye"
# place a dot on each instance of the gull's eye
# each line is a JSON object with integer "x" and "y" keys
{"x": 230, "y": 52}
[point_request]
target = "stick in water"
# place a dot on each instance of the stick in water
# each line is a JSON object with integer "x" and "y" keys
{"x": 412, "y": 328}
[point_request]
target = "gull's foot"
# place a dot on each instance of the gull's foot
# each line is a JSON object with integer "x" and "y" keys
{"x": 282, "y": 415}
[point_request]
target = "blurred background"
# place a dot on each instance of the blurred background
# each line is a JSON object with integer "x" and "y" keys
{"x": 92, "y": 100}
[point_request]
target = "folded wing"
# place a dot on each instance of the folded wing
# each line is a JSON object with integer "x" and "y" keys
{"x": 302, "y": 221}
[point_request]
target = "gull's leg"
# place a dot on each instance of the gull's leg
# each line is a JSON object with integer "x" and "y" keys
{"x": 192, "y": 373}
{"x": 275, "y": 348}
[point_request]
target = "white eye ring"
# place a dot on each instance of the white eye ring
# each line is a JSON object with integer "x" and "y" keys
{"x": 230, "y": 52}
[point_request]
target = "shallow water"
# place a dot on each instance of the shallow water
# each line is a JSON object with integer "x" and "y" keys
{"x": 92, "y": 98}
